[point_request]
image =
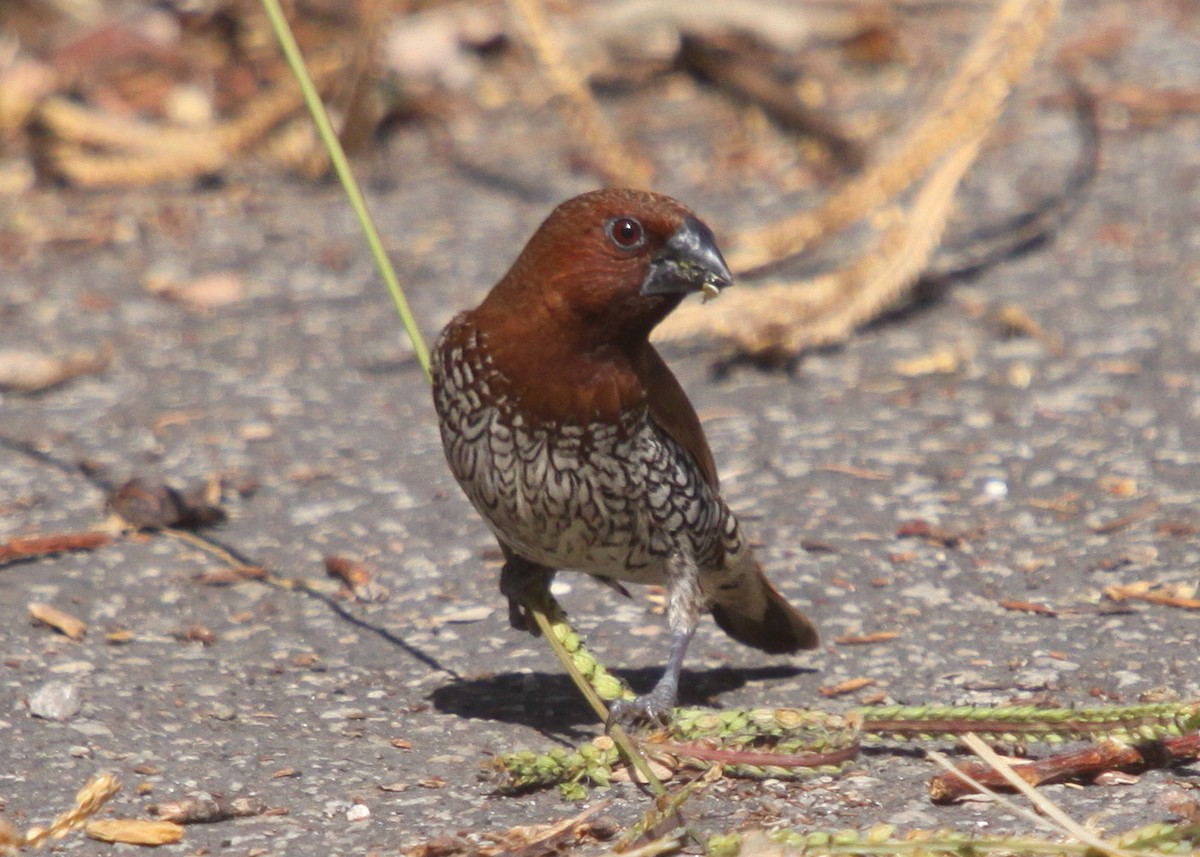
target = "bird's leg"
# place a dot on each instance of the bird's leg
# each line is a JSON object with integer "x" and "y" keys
{"x": 655, "y": 707}
{"x": 685, "y": 602}
{"x": 520, "y": 578}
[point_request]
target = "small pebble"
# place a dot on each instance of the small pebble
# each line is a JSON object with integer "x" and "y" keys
{"x": 55, "y": 700}
{"x": 995, "y": 488}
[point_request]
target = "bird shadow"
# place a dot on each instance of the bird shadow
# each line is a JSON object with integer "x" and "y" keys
{"x": 550, "y": 703}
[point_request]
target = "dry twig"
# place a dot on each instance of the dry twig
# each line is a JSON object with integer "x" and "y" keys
{"x": 1088, "y": 762}
{"x": 31, "y": 547}
{"x": 1044, "y": 805}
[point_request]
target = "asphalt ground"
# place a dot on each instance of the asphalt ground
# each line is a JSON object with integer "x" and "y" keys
{"x": 1054, "y": 472}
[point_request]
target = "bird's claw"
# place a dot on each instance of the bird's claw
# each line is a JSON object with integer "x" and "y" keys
{"x": 651, "y": 709}
{"x": 520, "y": 618}
{"x": 519, "y": 580}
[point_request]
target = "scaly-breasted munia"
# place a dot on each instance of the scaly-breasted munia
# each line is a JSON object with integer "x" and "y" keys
{"x": 577, "y": 445}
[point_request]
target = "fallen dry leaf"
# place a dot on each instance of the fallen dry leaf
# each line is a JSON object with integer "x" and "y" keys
{"x": 33, "y": 546}
{"x": 196, "y": 633}
{"x": 59, "y": 620}
{"x": 1176, "y": 529}
{"x": 942, "y": 361}
{"x": 1136, "y": 516}
{"x": 1029, "y": 607}
{"x": 866, "y": 639}
{"x": 32, "y": 372}
{"x": 358, "y": 577}
{"x": 1118, "y": 486}
{"x": 203, "y": 293}
{"x": 1064, "y": 504}
{"x": 856, "y": 472}
{"x": 219, "y": 577}
{"x": 920, "y": 528}
{"x": 1015, "y": 321}
{"x": 196, "y": 810}
{"x": 848, "y": 686}
{"x": 555, "y": 837}
{"x": 134, "y": 831}
{"x": 1172, "y": 595}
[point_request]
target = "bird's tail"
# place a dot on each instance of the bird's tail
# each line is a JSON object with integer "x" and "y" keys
{"x": 750, "y": 609}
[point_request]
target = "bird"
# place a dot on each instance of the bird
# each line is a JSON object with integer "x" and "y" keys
{"x": 574, "y": 441}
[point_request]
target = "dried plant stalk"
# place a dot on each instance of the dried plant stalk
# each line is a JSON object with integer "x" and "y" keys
{"x": 72, "y": 122}
{"x": 967, "y": 105}
{"x": 605, "y": 150}
{"x": 88, "y": 170}
{"x": 91, "y": 799}
{"x": 783, "y": 318}
{"x": 138, "y": 153}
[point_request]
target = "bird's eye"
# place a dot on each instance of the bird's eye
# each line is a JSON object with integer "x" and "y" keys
{"x": 625, "y": 232}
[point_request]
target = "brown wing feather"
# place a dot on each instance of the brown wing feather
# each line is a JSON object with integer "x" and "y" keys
{"x": 752, "y": 610}
{"x": 670, "y": 408}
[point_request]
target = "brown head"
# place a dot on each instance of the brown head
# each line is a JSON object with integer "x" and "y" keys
{"x": 568, "y": 326}
{"x": 607, "y": 266}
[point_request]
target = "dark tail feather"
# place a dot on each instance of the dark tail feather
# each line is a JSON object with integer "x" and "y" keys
{"x": 770, "y": 623}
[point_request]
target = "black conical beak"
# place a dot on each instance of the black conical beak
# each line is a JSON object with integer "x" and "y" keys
{"x": 690, "y": 262}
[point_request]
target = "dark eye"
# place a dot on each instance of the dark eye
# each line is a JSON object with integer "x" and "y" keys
{"x": 625, "y": 232}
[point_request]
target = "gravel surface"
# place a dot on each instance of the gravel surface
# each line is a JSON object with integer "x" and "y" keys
{"x": 303, "y": 394}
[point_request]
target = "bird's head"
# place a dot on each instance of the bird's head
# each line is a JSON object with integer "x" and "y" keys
{"x": 611, "y": 264}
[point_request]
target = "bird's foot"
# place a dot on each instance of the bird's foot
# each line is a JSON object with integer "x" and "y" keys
{"x": 519, "y": 617}
{"x": 653, "y": 709}
{"x": 519, "y": 580}
{"x": 656, "y": 707}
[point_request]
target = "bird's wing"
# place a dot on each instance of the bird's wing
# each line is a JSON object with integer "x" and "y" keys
{"x": 670, "y": 408}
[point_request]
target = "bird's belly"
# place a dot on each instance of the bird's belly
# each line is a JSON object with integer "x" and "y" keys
{"x": 609, "y": 500}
